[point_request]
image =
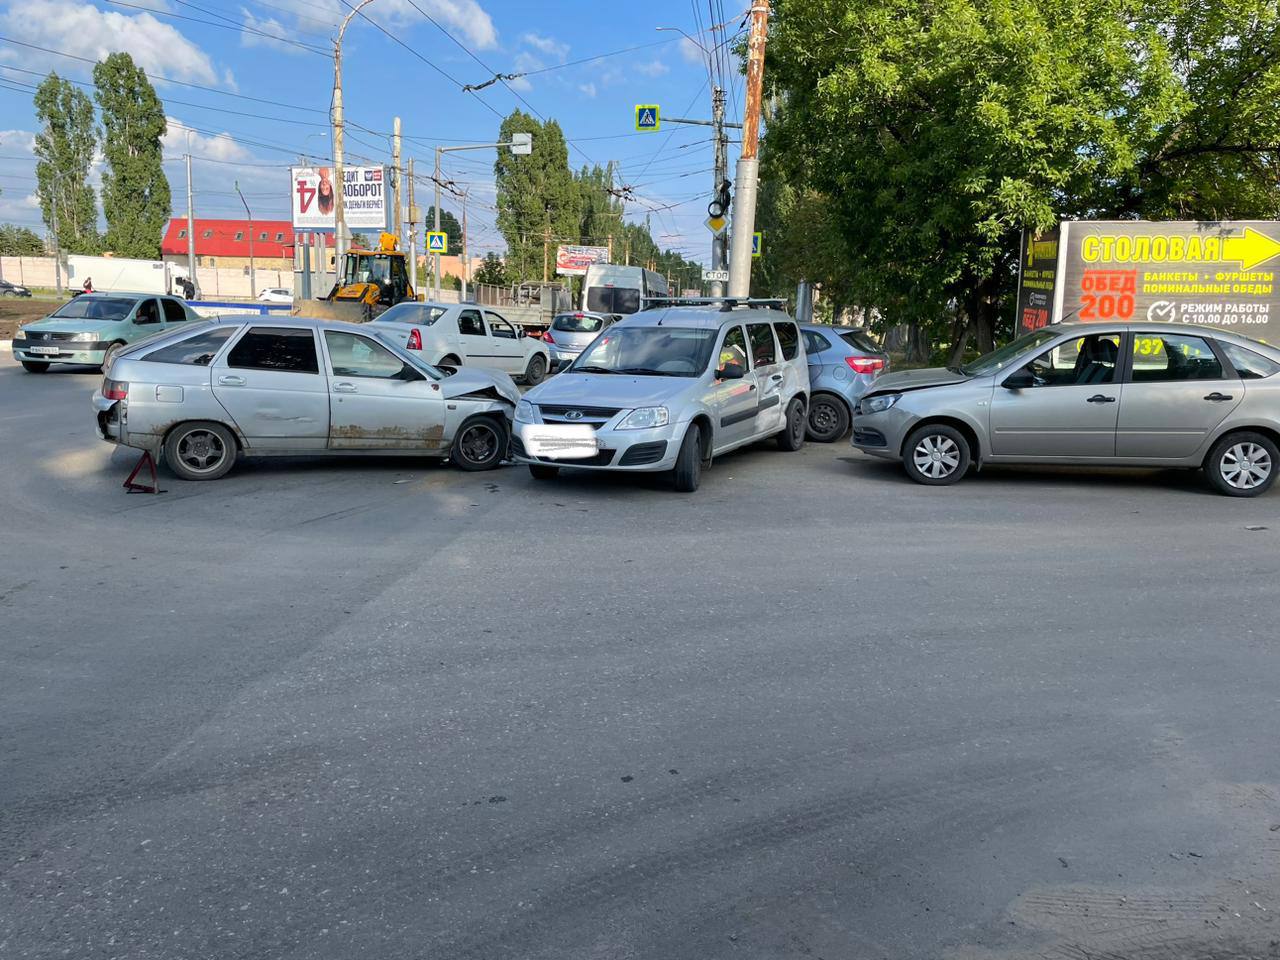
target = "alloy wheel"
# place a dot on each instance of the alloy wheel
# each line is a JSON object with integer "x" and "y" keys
{"x": 1245, "y": 465}
{"x": 936, "y": 456}
{"x": 479, "y": 443}
{"x": 201, "y": 451}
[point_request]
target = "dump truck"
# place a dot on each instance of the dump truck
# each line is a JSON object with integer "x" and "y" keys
{"x": 369, "y": 282}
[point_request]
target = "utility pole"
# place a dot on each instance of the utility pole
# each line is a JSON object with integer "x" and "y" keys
{"x": 253, "y": 276}
{"x": 191, "y": 220}
{"x": 718, "y": 204}
{"x": 466, "y": 262}
{"x": 413, "y": 234}
{"x": 340, "y": 183}
{"x": 57, "y": 249}
{"x": 435, "y": 259}
{"x": 398, "y": 222}
{"x": 744, "y": 200}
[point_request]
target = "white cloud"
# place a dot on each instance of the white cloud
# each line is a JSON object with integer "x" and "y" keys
{"x": 82, "y": 29}
{"x": 312, "y": 21}
{"x": 654, "y": 68}
{"x": 691, "y": 51}
{"x": 17, "y": 141}
{"x": 548, "y": 45}
{"x": 589, "y": 89}
{"x": 216, "y": 147}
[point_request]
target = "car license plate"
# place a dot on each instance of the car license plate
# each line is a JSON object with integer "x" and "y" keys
{"x": 561, "y": 441}
{"x": 46, "y": 351}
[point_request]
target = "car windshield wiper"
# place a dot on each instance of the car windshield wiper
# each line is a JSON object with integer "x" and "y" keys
{"x": 647, "y": 372}
{"x": 591, "y": 370}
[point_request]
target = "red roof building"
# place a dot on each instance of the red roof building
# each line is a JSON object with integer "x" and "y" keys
{"x": 272, "y": 239}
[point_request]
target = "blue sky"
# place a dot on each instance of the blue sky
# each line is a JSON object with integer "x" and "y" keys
{"x": 231, "y": 48}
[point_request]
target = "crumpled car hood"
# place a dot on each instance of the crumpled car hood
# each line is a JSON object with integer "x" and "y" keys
{"x": 916, "y": 380}
{"x": 470, "y": 380}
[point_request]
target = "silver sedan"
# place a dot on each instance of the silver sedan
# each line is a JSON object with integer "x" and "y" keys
{"x": 215, "y": 390}
{"x": 1150, "y": 395}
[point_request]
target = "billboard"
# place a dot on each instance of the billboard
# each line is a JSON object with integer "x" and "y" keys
{"x": 573, "y": 260}
{"x": 1219, "y": 274}
{"x": 366, "y": 205}
{"x": 1036, "y": 279}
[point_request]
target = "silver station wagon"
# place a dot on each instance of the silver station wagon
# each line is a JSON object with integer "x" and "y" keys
{"x": 668, "y": 389}
{"x": 1148, "y": 395}
{"x": 293, "y": 386}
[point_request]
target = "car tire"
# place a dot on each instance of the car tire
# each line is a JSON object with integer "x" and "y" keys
{"x": 936, "y": 455}
{"x": 449, "y": 364}
{"x": 828, "y": 418}
{"x": 8, "y": 293}
{"x": 110, "y": 355}
{"x": 1242, "y": 464}
{"x": 540, "y": 471}
{"x": 35, "y": 366}
{"x": 480, "y": 444}
{"x": 687, "y": 475}
{"x": 199, "y": 450}
{"x": 536, "y": 372}
{"x": 796, "y": 424}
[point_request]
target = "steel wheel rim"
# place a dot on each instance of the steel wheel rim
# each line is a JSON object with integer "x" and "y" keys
{"x": 936, "y": 456}
{"x": 201, "y": 451}
{"x": 823, "y": 417}
{"x": 479, "y": 443}
{"x": 1245, "y": 466}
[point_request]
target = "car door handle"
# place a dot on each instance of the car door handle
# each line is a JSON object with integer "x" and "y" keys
{"x": 751, "y": 387}
{"x": 344, "y": 388}
{"x": 231, "y": 381}
{"x": 776, "y": 377}
{"x": 1099, "y": 398}
{"x": 1217, "y": 397}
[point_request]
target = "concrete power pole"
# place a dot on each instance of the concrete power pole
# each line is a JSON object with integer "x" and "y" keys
{"x": 397, "y": 221}
{"x": 466, "y": 262}
{"x": 340, "y": 183}
{"x": 744, "y": 200}
{"x": 413, "y": 235}
{"x": 191, "y": 221}
{"x": 253, "y": 274}
{"x": 719, "y": 258}
{"x": 435, "y": 260}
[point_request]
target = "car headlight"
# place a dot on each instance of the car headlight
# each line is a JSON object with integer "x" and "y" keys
{"x": 525, "y": 412}
{"x": 882, "y": 402}
{"x": 85, "y": 336}
{"x": 643, "y": 417}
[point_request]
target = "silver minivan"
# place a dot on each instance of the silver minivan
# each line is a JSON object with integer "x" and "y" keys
{"x": 1142, "y": 394}
{"x": 668, "y": 389}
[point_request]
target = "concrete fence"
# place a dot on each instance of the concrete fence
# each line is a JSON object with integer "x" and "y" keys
{"x": 214, "y": 282}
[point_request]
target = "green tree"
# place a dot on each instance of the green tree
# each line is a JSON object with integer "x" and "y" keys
{"x": 135, "y": 192}
{"x": 64, "y": 149}
{"x": 600, "y": 211}
{"x": 492, "y": 271}
{"x": 16, "y": 241}
{"x": 919, "y": 139}
{"x": 538, "y": 199}
{"x": 450, "y": 225}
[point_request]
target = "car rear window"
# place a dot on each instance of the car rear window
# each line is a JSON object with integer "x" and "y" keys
{"x": 577, "y": 323}
{"x": 763, "y": 351}
{"x": 859, "y": 341}
{"x": 197, "y": 351}
{"x": 1249, "y": 365}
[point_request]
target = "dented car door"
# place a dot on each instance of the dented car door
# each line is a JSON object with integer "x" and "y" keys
{"x": 270, "y": 383}
{"x": 377, "y": 401}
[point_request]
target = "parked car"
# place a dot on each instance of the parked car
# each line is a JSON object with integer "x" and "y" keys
{"x": 1147, "y": 395}
{"x": 569, "y": 333}
{"x": 668, "y": 389}
{"x": 268, "y": 387}
{"x": 843, "y": 364}
{"x": 8, "y": 289}
{"x": 94, "y": 327}
{"x": 451, "y": 335}
{"x": 275, "y": 295}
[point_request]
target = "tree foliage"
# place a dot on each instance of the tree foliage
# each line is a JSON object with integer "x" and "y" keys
{"x": 538, "y": 200}
{"x": 135, "y": 192}
{"x": 492, "y": 271}
{"x": 917, "y": 139}
{"x": 16, "y": 241}
{"x": 64, "y": 147}
{"x": 449, "y": 224}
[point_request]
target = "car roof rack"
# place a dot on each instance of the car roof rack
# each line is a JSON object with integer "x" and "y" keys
{"x": 726, "y": 303}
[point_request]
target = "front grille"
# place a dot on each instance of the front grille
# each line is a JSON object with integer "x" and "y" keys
{"x": 642, "y": 453}
{"x": 868, "y": 438}
{"x": 595, "y": 413}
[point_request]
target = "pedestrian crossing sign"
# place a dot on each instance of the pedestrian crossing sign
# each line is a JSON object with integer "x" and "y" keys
{"x": 647, "y": 117}
{"x": 437, "y": 241}
{"x": 757, "y": 243}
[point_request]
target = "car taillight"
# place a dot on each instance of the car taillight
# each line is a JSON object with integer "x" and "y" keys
{"x": 865, "y": 364}
{"x": 115, "y": 389}
{"x": 547, "y": 338}
{"x": 415, "y": 340}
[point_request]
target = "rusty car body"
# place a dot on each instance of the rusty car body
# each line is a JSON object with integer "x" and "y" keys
{"x": 241, "y": 386}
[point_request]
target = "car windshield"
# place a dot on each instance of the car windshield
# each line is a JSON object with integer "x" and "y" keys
{"x": 998, "y": 359}
{"x": 422, "y": 314}
{"x": 95, "y": 308}
{"x": 648, "y": 351}
{"x": 577, "y": 323}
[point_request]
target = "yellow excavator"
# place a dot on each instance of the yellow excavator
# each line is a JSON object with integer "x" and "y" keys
{"x": 368, "y": 283}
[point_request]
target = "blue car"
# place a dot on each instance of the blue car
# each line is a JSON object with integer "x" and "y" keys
{"x": 93, "y": 327}
{"x": 843, "y": 364}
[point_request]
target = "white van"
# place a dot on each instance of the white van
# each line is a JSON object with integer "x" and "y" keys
{"x": 609, "y": 288}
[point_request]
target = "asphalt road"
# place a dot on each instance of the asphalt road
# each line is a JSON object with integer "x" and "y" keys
{"x": 384, "y": 709}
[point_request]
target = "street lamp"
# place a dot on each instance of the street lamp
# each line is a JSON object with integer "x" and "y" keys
{"x": 340, "y": 219}
{"x": 687, "y": 37}
{"x": 253, "y": 276}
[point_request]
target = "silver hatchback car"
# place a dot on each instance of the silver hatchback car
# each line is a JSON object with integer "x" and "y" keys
{"x": 570, "y": 333}
{"x": 292, "y": 386}
{"x": 667, "y": 389}
{"x": 1143, "y": 394}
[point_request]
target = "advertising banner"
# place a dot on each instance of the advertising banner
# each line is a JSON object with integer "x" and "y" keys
{"x": 1220, "y": 274}
{"x": 1036, "y": 281}
{"x": 573, "y": 260}
{"x": 366, "y": 203}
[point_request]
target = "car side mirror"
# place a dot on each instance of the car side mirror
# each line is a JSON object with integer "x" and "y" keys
{"x": 1019, "y": 380}
{"x": 731, "y": 371}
